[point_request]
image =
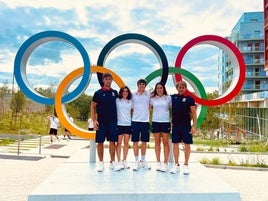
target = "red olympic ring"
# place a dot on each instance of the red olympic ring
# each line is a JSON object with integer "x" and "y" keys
{"x": 236, "y": 58}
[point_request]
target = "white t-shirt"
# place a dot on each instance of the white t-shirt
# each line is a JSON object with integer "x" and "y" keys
{"x": 54, "y": 122}
{"x": 161, "y": 108}
{"x": 123, "y": 109}
{"x": 141, "y": 106}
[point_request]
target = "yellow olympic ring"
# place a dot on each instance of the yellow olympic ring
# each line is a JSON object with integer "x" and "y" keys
{"x": 60, "y": 107}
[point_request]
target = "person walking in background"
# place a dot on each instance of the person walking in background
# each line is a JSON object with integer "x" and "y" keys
{"x": 66, "y": 131}
{"x": 54, "y": 125}
{"x": 103, "y": 114}
{"x": 90, "y": 124}
{"x": 183, "y": 111}
{"x": 140, "y": 124}
{"x": 160, "y": 103}
{"x": 124, "y": 106}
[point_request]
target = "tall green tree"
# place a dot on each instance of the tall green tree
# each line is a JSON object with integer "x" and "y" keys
{"x": 80, "y": 106}
{"x": 47, "y": 92}
{"x": 17, "y": 102}
{"x": 211, "y": 121}
{"x": 4, "y": 92}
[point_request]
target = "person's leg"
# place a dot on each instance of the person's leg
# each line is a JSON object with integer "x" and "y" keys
{"x": 145, "y": 137}
{"x": 187, "y": 140}
{"x": 187, "y": 152}
{"x": 119, "y": 147}
{"x": 112, "y": 150}
{"x": 125, "y": 149}
{"x": 143, "y": 148}
{"x": 157, "y": 139}
{"x": 100, "y": 137}
{"x": 69, "y": 135}
{"x": 100, "y": 150}
{"x": 135, "y": 139}
{"x": 176, "y": 153}
{"x": 56, "y": 133}
{"x": 165, "y": 137}
{"x": 112, "y": 137}
{"x": 136, "y": 150}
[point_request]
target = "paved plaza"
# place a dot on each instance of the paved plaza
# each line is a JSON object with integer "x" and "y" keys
{"x": 20, "y": 175}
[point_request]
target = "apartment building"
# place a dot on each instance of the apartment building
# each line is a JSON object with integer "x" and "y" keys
{"x": 250, "y": 107}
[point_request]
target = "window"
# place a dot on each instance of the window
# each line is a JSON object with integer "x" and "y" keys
{"x": 257, "y": 84}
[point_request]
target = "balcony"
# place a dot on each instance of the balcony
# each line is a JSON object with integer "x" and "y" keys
{"x": 259, "y": 36}
{"x": 254, "y": 61}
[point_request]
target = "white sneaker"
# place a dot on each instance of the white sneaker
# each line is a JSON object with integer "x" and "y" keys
{"x": 145, "y": 165}
{"x": 164, "y": 167}
{"x": 158, "y": 166}
{"x": 114, "y": 166}
{"x": 100, "y": 167}
{"x": 175, "y": 169}
{"x": 186, "y": 170}
{"x": 136, "y": 166}
{"x": 120, "y": 165}
{"x": 125, "y": 165}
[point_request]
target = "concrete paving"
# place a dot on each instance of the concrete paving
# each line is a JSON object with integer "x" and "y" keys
{"x": 19, "y": 177}
{"x": 81, "y": 181}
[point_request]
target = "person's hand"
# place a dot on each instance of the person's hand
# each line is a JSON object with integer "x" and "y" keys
{"x": 193, "y": 131}
{"x": 96, "y": 124}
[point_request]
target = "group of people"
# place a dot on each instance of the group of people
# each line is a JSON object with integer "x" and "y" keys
{"x": 119, "y": 116}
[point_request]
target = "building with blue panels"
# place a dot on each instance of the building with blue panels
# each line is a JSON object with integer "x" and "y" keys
{"x": 248, "y": 111}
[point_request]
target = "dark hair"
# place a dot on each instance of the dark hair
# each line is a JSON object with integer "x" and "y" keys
{"x": 143, "y": 81}
{"x": 106, "y": 75}
{"x": 164, "y": 88}
{"x": 129, "y": 96}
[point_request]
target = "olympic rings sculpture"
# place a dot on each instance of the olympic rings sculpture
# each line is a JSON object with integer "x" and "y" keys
{"x": 62, "y": 97}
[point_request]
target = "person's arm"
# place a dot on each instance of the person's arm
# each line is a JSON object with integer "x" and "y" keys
{"x": 93, "y": 115}
{"x": 194, "y": 117}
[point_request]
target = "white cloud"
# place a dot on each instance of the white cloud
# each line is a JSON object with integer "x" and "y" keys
{"x": 96, "y": 22}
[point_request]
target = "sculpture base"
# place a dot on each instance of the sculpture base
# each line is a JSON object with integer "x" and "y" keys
{"x": 77, "y": 179}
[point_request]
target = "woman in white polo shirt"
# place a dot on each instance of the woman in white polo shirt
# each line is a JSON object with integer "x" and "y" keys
{"x": 160, "y": 103}
{"x": 124, "y": 106}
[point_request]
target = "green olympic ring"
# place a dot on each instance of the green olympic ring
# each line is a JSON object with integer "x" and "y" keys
{"x": 195, "y": 83}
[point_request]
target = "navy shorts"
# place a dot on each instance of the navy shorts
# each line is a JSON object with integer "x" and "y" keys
{"x": 124, "y": 130}
{"x": 160, "y": 127}
{"x": 182, "y": 134}
{"x": 140, "y": 132}
{"x": 107, "y": 131}
{"x": 53, "y": 131}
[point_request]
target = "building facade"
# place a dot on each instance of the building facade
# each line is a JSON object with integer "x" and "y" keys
{"x": 250, "y": 107}
{"x": 265, "y": 13}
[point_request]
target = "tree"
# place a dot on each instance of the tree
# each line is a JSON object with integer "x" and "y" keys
{"x": 48, "y": 92}
{"x": 82, "y": 105}
{"x": 4, "y": 91}
{"x": 17, "y": 102}
{"x": 211, "y": 121}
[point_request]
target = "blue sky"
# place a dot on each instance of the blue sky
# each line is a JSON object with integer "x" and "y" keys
{"x": 94, "y": 23}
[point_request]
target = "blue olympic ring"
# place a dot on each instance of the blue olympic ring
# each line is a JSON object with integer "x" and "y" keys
{"x": 24, "y": 53}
